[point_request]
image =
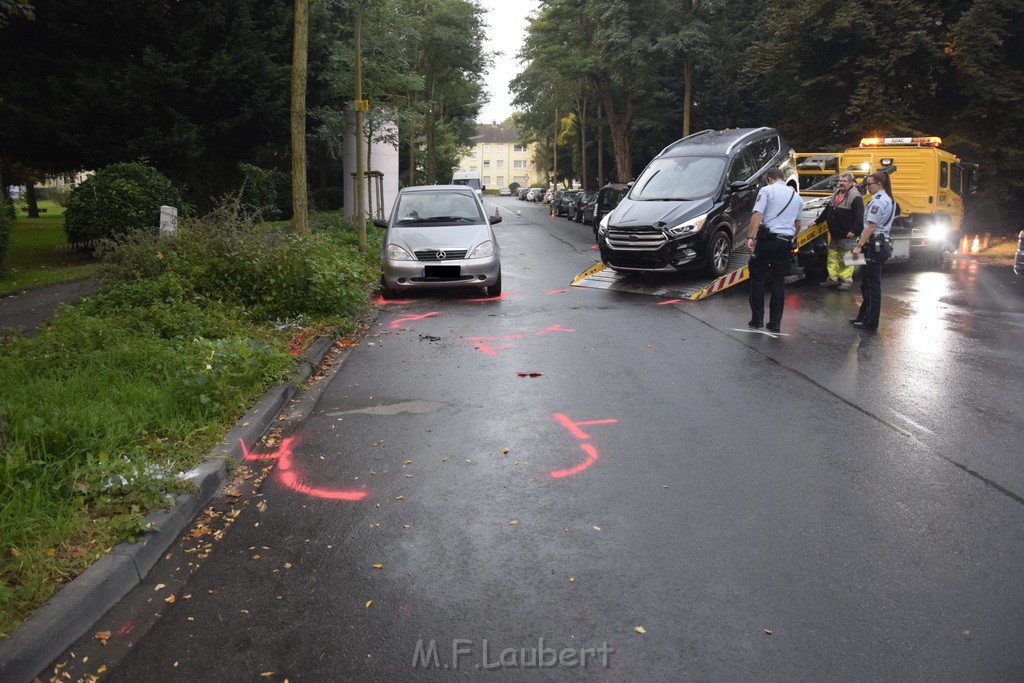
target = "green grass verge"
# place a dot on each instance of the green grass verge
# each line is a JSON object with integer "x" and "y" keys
{"x": 39, "y": 253}
{"x": 105, "y": 407}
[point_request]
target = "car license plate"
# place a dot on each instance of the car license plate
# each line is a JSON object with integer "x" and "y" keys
{"x": 901, "y": 249}
{"x": 442, "y": 272}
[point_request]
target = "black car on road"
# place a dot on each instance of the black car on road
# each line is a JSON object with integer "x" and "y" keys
{"x": 693, "y": 202}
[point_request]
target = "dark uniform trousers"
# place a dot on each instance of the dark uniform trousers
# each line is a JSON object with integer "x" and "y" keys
{"x": 871, "y": 289}
{"x": 771, "y": 260}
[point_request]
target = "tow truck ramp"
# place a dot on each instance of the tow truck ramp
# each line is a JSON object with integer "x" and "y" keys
{"x": 601, "y": 277}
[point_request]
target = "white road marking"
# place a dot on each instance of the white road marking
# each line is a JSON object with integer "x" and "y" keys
{"x": 911, "y": 422}
{"x": 773, "y": 335}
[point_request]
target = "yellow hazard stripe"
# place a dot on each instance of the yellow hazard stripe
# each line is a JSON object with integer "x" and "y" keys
{"x": 596, "y": 268}
{"x": 724, "y": 282}
{"x": 811, "y": 233}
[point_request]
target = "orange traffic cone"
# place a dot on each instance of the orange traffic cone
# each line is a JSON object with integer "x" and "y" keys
{"x": 964, "y": 243}
{"x": 976, "y": 245}
{"x": 496, "y": 212}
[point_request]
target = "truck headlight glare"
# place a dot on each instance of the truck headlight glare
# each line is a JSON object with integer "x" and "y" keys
{"x": 937, "y": 232}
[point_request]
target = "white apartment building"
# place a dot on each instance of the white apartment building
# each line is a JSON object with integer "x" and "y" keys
{"x": 500, "y": 158}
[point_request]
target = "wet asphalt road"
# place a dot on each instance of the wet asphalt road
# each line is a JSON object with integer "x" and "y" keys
{"x": 827, "y": 505}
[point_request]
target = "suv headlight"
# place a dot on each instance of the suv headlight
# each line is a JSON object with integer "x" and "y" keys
{"x": 602, "y": 228}
{"x": 689, "y": 227}
{"x": 396, "y": 253}
{"x": 483, "y": 250}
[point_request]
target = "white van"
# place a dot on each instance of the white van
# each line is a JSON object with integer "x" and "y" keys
{"x": 470, "y": 178}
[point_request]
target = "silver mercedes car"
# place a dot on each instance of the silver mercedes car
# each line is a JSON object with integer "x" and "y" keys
{"x": 439, "y": 236}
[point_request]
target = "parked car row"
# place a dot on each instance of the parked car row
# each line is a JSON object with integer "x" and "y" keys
{"x": 588, "y": 206}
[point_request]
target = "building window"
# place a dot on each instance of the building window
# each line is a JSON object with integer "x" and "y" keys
{"x": 519, "y": 163}
{"x": 518, "y": 148}
{"x": 487, "y": 147}
{"x": 472, "y": 168}
{"x": 501, "y": 181}
{"x": 501, "y": 163}
{"x": 487, "y": 163}
{"x": 487, "y": 180}
{"x": 501, "y": 148}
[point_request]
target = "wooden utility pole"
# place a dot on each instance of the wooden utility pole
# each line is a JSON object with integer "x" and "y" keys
{"x": 300, "y": 202}
{"x": 360, "y": 107}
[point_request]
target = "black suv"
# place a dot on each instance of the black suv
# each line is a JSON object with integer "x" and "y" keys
{"x": 693, "y": 202}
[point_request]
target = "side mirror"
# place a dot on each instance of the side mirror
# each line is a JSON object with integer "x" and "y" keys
{"x": 495, "y": 219}
{"x": 380, "y": 223}
{"x": 483, "y": 188}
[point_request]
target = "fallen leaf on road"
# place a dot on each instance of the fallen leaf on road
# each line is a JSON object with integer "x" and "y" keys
{"x": 399, "y": 497}
{"x": 408, "y": 462}
{"x": 159, "y": 586}
{"x": 102, "y": 636}
{"x": 504, "y": 451}
{"x": 378, "y": 566}
{"x": 287, "y": 565}
{"x": 261, "y": 506}
{"x": 597, "y": 528}
{"x": 514, "y": 521}
{"x": 368, "y": 603}
{"x": 170, "y": 599}
{"x": 640, "y": 629}
{"x": 767, "y": 631}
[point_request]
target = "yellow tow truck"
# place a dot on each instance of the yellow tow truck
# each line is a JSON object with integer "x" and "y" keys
{"x": 928, "y": 183}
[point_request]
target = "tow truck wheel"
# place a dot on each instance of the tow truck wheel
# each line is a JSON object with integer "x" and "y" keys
{"x": 936, "y": 260}
{"x": 719, "y": 248}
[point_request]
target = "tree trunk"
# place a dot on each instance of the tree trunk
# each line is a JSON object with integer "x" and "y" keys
{"x": 583, "y": 143}
{"x": 554, "y": 147}
{"x": 600, "y": 148}
{"x": 300, "y": 202}
{"x": 687, "y": 93}
{"x": 360, "y": 170}
{"x": 32, "y": 200}
{"x": 618, "y": 125}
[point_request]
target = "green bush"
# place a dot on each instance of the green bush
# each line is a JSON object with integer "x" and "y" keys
{"x": 6, "y": 221}
{"x": 266, "y": 190}
{"x": 115, "y": 201}
{"x": 230, "y": 257}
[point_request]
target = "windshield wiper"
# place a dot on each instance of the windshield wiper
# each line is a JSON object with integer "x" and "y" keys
{"x": 448, "y": 219}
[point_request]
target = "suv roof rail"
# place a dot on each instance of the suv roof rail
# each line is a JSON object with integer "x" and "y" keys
{"x": 686, "y": 137}
{"x": 744, "y": 137}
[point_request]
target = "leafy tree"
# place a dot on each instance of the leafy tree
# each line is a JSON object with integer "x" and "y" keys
{"x": 989, "y": 71}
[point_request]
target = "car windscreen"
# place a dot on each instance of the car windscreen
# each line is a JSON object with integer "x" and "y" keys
{"x": 439, "y": 208}
{"x": 679, "y": 179}
{"x": 469, "y": 182}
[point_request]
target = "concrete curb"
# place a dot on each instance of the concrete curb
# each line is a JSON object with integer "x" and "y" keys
{"x": 69, "y": 614}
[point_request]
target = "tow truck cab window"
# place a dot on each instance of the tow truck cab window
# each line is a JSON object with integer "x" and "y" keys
{"x": 943, "y": 174}
{"x": 956, "y": 180}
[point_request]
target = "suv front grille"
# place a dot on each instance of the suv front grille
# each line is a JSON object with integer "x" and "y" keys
{"x": 448, "y": 254}
{"x": 641, "y": 239}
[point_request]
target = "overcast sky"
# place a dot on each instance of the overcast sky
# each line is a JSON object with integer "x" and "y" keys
{"x": 507, "y": 21}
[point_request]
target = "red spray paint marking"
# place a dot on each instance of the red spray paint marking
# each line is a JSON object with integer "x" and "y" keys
{"x": 591, "y": 459}
{"x": 398, "y": 322}
{"x": 670, "y": 301}
{"x": 554, "y": 328}
{"x": 574, "y": 427}
{"x": 556, "y": 291}
{"x": 126, "y": 629}
{"x": 381, "y": 300}
{"x": 284, "y": 456}
{"x": 491, "y": 350}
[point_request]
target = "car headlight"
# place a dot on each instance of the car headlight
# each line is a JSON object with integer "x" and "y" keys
{"x": 689, "y": 227}
{"x": 396, "y": 253}
{"x": 937, "y": 232}
{"x": 483, "y": 250}
{"x": 603, "y": 227}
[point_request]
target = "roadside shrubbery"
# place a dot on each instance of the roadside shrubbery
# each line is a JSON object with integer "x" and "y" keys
{"x": 115, "y": 201}
{"x": 6, "y": 223}
{"x": 106, "y": 406}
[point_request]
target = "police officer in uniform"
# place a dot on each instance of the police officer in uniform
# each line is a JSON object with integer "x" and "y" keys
{"x": 874, "y": 244}
{"x": 772, "y": 232}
